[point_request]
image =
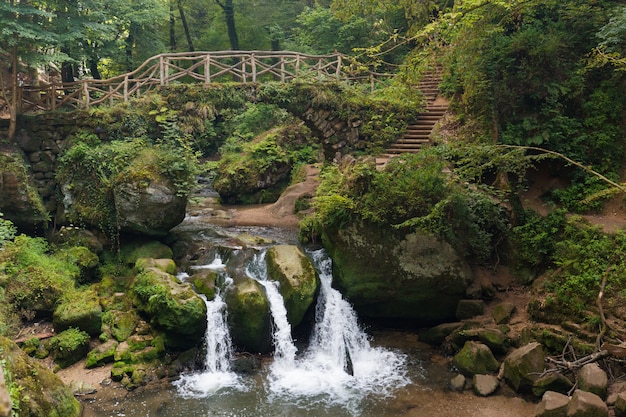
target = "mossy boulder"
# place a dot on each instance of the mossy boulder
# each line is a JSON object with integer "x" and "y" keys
{"x": 82, "y": 311}
{"x": 204, "y": 283}
{"x": 296, "y": 274}
{"x": 69, "y": 346}
{"x": 166, "y": 265}
{"x": 172, "y": 305}
{"x": 391, "y": 274}
{"x": 475, "y": 358}
{"x": 249, "y": 315}
{"x": 20, "y": 201}
{"x": 102, "y": 354}
{"x": 135, "y": 249}
{"x": 120, "y": 324}
{"x": 42, "y": 393}
{"x": 86, "y": 261}
{"x": 523, "y": 366}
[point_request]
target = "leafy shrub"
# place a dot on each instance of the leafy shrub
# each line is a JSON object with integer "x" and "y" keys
{"x": 7, "y": 231}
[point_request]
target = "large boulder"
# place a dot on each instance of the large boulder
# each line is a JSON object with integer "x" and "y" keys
{"x": 172, "y": 305}
{"x": 391, "y": 274}
{"x": 42, "y": 393}
{"x": 20, "y": 201}
{"x": 249, "y": 317}
{"x": 523, "y": 366}
{"x": 150, "y": 208}
{"x": 475, "y": 358}
{"x": 295, "y": 272}
{"x": 82, "y": 311}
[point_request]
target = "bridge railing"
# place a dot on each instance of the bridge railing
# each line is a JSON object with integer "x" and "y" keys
{"x": 187, "y": 67}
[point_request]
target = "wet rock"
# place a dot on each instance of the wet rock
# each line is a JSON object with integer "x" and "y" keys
{"x": 475, "y": 358}
{"x": 485, "y": 385}
{"x": 466, "y": 309}
{"x": 586, "y": 404}
{"x": 502, "y": 312}
{"x": 553, "y": 404}
{"x": 295, "y": 272}
{"x": 249, "y": 315}
{"x": 523, "y": 366}
{"x": 593, "y": 379}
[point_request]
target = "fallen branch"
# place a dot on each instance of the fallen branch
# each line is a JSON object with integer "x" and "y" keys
{"x": 563, "y": 366}
{"x": 39, "y": 336}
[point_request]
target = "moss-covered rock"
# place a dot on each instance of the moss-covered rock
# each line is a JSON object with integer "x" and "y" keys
{"x": 82, "y": 311}
{"x": 69, "y": 346}
{"x": 121, "y": 324}
{"x": 86, "y": 261}
{"x": 165, "y": 265}
{"x": 204, "y": 283}
{"x": 101, "y": 355}
{"x": 249, "y": 315}
{"x": 41, "y": 392}
{"x": 523, "y": 366}
{"x": 475, "y": 358}
{"x": 397, "y": 275}
{"x": 171, "y": 305}
{"x": 132, "y": 250}
{"x": 20, "y": 201}
{"x": 295, "y": 272}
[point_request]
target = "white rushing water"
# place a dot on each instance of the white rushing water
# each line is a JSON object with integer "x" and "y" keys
{"x": 216, "y": 373}
{"x": 339, "y": 367}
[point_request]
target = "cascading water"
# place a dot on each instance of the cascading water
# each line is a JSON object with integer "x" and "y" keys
{"x": 284, "y": 348}
{"x": 216, "y": 373}
{"x": 340, "y": 367}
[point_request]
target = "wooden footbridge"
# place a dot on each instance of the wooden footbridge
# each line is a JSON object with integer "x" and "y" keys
{"x": 189, "y": 67}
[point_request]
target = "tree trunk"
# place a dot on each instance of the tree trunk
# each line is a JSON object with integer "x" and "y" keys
{"x": 229, "y": 14}
{"x": 172, "y": 27}
{"x": 93, "y": 68}
{"x": 185, "y": 26}
{"x": 130, "y": 43}
{"x": 13, "y": 105}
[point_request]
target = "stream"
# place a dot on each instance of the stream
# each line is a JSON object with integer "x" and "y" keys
{"x": 343, "y": 369}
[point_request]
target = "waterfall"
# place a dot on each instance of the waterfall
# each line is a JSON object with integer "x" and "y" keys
{"x": 340, "y": 367}
{"x": 284, "y": 348}
{"x": 216, "y": 373}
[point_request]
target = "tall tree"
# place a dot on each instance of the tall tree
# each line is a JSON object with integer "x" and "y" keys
{"x": 229, "y": 15}
{"x": 25, "y": 41}
{"x": 183, "y": 20}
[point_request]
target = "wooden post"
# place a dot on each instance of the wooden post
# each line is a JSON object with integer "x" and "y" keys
{"x": 166, "y": 67}
{"x": 207, "y": 69}
{"x": 339, "y": 63}
{"x": 243, "y": 69}
{"x": 86, "y": 94}
{"x": 253, "y": 65}
{"x": 110, "y": 95}
{"x": 282, "y": 69}
{"x": 161, "y": 70}
{"x": 297, "y": 65}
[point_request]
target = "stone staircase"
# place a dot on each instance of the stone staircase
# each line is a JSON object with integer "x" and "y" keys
{"x": 418, "y": 134}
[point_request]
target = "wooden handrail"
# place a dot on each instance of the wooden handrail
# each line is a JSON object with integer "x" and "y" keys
{"x": 200, "y": 66}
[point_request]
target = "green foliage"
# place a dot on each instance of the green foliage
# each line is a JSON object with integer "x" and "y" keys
{"x": 32, "y": 277}
{"x": 411, "y": 192}
{"x": 583, "y": 257}
{"x": 534, "y": 242}
{"x": 7, "y": 231}
{"x": 69, "y": 346}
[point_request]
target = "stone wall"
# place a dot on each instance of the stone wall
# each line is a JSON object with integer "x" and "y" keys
{"x": 42, "y": 138}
